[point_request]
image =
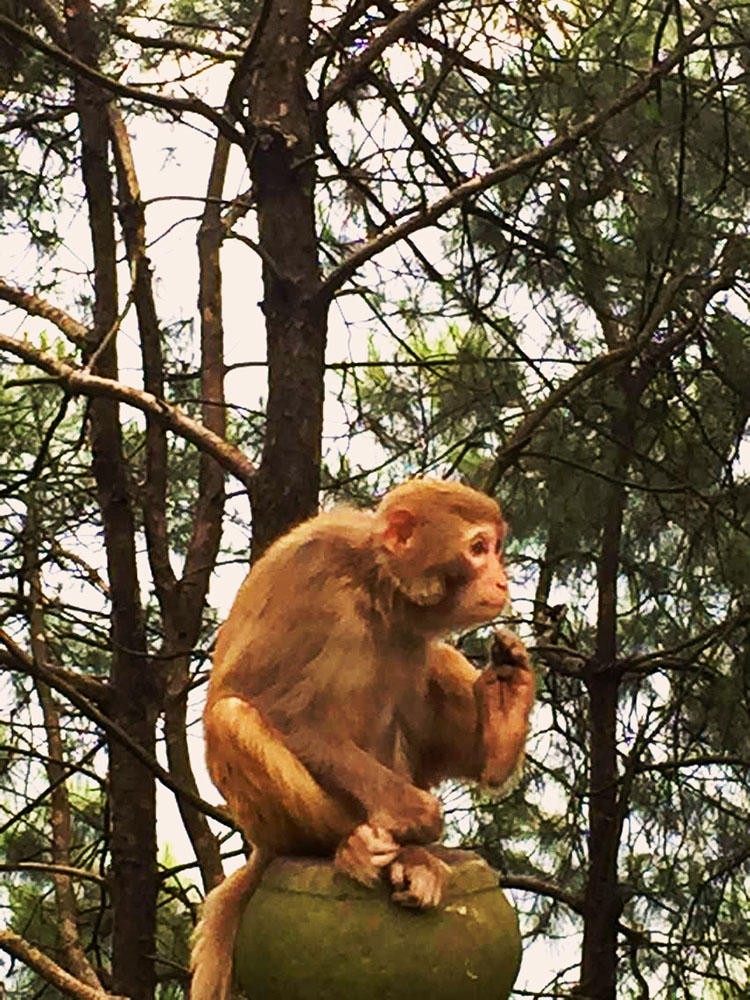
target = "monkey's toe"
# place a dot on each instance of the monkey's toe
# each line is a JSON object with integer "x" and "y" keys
{"x": 418, "y": 878}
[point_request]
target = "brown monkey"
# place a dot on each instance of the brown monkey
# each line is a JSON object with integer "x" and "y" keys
{"x": 333, "y": 707}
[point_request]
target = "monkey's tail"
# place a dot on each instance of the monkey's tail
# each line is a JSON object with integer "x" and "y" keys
{"x": 213, "y": 940}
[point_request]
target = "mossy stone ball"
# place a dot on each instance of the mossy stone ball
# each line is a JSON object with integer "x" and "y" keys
{"x": 310, "y": 933}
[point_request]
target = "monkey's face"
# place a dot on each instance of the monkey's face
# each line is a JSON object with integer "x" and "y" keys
{"x": 477, "y": 588}
{"x": 450, "y": 568}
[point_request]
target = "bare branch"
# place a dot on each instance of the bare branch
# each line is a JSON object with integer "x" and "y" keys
{"x": 16, "y": 659}
{"x": 34, "y": 305}
{"x": 79, "y": 69}
{"x": 691, "y": 648}
{"x": 81, "y": 383}
{"x": 563, "y": 143}
{"x": 17, "y": 946}
{"x": 175, "y": 45}
{"x": 401, "y": 25}
{"x": 704, "y": 760}
{"x": 61, "y": 824}
{"x": 542, "y": 888}
{"x": 508, "y": 453}
{"x": 49, "y": 869}
{"x": 27, "y": 122}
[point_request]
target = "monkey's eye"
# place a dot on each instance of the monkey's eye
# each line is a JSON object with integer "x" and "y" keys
{"x": 480, "y": 546}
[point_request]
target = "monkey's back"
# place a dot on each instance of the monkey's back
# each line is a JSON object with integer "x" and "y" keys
{"x": 305, "y": 589}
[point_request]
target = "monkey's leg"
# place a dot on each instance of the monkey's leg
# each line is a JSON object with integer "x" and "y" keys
{"x": 279, "y": 806}
{"x": 270, "y": 793}
{"x": 386, "y": 800}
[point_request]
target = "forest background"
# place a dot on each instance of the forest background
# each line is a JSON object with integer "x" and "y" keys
{"x": 261, "y": 256}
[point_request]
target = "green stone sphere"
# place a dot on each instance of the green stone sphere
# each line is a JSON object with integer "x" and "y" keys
{"x": 310, "y": 933}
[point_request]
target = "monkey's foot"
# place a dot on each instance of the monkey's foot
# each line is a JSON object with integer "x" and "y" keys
{"x": 418, "y": 877}
{"x": 365, "y": 852}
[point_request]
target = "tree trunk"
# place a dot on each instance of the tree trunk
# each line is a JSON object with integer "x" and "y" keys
{"x": 132, "y": 790}
{"x": 72, "y": 954}
{"x": 603, "y": 904}
{"x": 282, "y": 169}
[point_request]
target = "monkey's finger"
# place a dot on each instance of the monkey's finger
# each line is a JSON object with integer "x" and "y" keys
{"x": 356, "y": 867}
{"x": 423, "y": 892}
{"x": 367, "y": 849}
{"x": 384, "y": 859}
{"x": 375, "y": 836}
{"x": 378, "y": 843}
{"x": 508, "y": 655}
{"x": 378, "y": 860}
{"x": 418, "y": 884}
{"x": 504, "y": 637}
{"x": 507, "y": 648}
{"x": 397, "y": 875}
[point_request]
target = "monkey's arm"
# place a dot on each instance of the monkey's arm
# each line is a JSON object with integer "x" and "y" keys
{"x": 505, "y": 695}
{"x": 477, "y": 721}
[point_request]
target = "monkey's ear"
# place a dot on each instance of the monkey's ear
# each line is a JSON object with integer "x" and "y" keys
{"x": 426, "y": 590}
{"x": 411, "y": 573}
{"x": 399, "y": 528}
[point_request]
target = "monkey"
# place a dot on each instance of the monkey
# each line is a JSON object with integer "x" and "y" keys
{"x": 335, "y": 705}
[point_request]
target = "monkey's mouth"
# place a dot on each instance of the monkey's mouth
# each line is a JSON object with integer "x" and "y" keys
{"x": 497, "y": 602}
{"x": 494, "y": 606}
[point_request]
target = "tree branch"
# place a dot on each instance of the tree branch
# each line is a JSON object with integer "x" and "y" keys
{"x": 649, "y": 662}
{"x": 353, "y": 72}
{"x": 81, "y": 383}
{"x": 508, "y": 453}
{"x": 704, "y": 760}
{"x": 34, "y": 305}
{"x": 175, "y": 45}
{"x": 61, "y": 825}
{"x": 48, "y": 869}
{"x": 16, "y": 659}
{"x": 542, "y": 888}
{"x": 518, "y": 165}
{"x": 133, "y": 222}
{"x": 79, "y": 69}
{"x": 19, "y": 948}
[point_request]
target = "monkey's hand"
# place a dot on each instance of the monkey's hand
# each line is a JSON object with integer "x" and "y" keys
{"x": 508, "y": 683}
{"x": 505, "y": 694}
{"x": 508, "y": 658}
{"x": 505, "y": 689}
{"x": 365, "y": 852}
{"x": 418, "y": 877}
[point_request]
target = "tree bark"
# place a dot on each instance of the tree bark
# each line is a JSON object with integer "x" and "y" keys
{"x": 73, "y": 955}
{"x": 182, "y": 631}
{"x": 281, "y": 163}
{"x": 181, "y": 601}
{"x": 132, "y": 788}
{"x": 603, "y": 901}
